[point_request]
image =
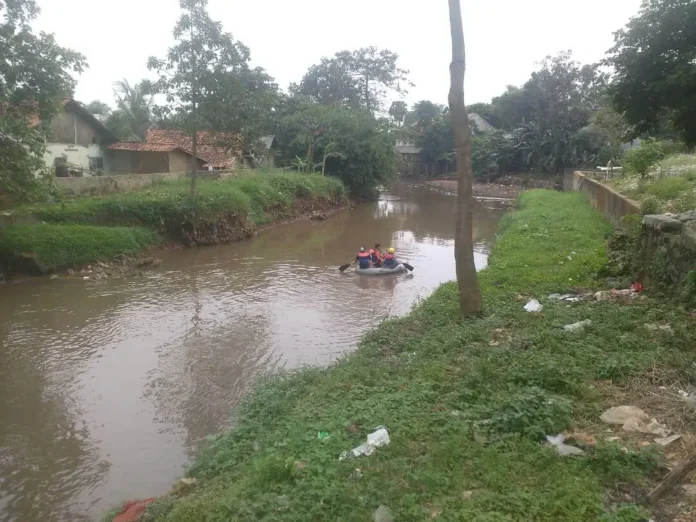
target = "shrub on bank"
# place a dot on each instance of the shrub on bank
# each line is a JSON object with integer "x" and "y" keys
{"x": 52, "y": 247}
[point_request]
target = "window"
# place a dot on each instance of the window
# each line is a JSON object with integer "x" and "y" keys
{"x": 96, "y": 163}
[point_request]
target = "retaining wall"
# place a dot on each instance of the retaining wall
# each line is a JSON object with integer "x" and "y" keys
{"x": 612, "y": 204}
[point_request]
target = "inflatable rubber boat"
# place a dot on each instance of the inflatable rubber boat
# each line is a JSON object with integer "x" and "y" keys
{"x": 398, "y": 269}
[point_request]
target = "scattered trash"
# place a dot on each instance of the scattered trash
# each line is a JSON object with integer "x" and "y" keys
{"x": 570, "y": 258}
{"x": 637, "y": 287}
{"x": 322, "y": 435}
{"x": 684, "y": 394}
{"x": 621, "y": 293}
{"x": 603, "y": 295}
{"x": 572, "y": 298}
{"x": 563, "y": 449}
{"x": 188, "y": 481}
{"x": 658, "y": 327}
{"x": 613, "y": 439}
{"x": 382, "y": 514}
{"x": 653, "y": 428}
{"x": 456, "y": 413}
{"x": 666, "y": 441}
{"x": 493, "y": 343}
{"x": 53, "y": 277}
{"x": 256, "y": 446}
{"x": 577, "y": 327}
{"x": 378, "y": 438}
{"x": 468, "y": 494}
{"x": 533, "y": 306}
{"x": 621, "y": 414}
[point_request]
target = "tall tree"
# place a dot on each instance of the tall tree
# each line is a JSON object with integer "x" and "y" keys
{"x": 133, "y": 114}
{"x": 354, "y": 79}
{"x": 654, "y": 58}
{"x": 470, "y": 298}
{"x": 398, "y": 111}
{"x": 98, "y": 108}
{"x": 34, "y": 78}
{"x": 195, "y": 69}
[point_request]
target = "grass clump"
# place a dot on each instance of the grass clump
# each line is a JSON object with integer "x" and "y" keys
{"x": 467, "y": 405}
{"x": 60, "y": 246}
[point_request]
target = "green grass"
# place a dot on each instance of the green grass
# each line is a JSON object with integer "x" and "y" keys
{"x": 466, "y": 404}
{"x": 62, "y": 246}
{"x": 669, "y": 187}
{"x": 259, "y": 196}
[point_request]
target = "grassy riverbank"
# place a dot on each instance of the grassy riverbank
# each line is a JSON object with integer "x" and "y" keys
{"x": 467, "y": 405}
{"x": 90, "y": 229}
{"x": 670, "y": 186}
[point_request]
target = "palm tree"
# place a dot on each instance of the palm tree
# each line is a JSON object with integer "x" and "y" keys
{"x": 133, "y": 114}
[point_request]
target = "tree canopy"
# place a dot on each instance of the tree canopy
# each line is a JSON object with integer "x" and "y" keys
{"x": 133, "y": 115}
{"x": 654, "y": 57}
{"x": 35, "y": 75}
{"x": 354, "y": 79}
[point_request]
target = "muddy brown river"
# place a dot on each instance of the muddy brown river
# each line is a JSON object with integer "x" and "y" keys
{"x": 107, "y": 389}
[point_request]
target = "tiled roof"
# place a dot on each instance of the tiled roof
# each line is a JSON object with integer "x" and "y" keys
{"x": 218, "y": 149}
{"x": 148, "y": 147}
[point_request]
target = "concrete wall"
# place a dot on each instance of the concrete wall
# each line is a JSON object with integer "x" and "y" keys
{"x": 76, "y": 154}
{"x": 113, "y": 184}
{"x": 612, "y": 204}
{"x": 179, "y": 161}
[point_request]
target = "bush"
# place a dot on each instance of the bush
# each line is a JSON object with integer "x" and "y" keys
{"x": 650, "y": 206}
{"x": 641, "y": 159}
{"x": 668, "y": 188}
{"x": 61, "y": 246}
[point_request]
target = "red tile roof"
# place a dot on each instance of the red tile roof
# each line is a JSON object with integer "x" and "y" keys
{"x": 219, "y": 149}
{"x": 145, "y": 147}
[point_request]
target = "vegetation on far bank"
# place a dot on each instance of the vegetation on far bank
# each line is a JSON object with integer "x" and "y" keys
{"x": 244, "y": 202}
{"x": 467, "y": 405}
{"x": 661, "y": 184}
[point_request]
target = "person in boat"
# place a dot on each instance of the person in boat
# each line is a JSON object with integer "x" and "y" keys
{"x": 378, "y": 253}
{"x": 363, "y": 258}
{"x": 390, "y": 259}
{"x": 375, "y": 258}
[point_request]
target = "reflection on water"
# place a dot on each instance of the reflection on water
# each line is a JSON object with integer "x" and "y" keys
{"x": 108, "y": 388}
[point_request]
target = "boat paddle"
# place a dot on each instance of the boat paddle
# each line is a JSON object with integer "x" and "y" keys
{"x": 408, "y": 267}
{"x": 343, "y": 268}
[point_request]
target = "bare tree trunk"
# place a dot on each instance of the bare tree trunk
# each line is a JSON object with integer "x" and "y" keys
{"x": 194, "y": 151}
{"x": 470, "y": 299}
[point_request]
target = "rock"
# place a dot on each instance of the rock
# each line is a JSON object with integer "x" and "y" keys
{"x": 318, "y": 216}
{"x": 622, "y": 414}
{"x": 690, "y": 489}
{"x": 54, "y": 277}
{"x": 71, "y": 272}
{"x": 603, "y": 296}
{"x": 533, "y": 306}
{"x": 382, "y": 514}
{"x": 663, "y": 223}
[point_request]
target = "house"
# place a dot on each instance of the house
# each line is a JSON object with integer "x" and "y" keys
{"x": 137, "y": 157}
{"x": 270, "y": 144}
{"x": 219, "y": 150}
{"x": 77, "y": 141}
{"x": 480, "y": 124}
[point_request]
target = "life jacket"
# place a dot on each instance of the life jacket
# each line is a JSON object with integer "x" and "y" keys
{"x": 376, "y": 259}
{"x": 389, "y": 260}
{"x": 364, "y": 259}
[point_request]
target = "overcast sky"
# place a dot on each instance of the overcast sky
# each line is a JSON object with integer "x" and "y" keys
{"x": 504, "y": 38}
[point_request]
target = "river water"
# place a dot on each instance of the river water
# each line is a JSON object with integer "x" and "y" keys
{"x": 107, "y": 389}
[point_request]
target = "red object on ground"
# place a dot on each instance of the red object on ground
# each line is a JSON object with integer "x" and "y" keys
{"x": 132, "y": 511}
{"x": 637, "y": 287}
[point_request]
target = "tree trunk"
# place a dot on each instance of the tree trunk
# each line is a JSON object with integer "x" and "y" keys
{"x": 194, "y": 160}
{"x": 470, "y": 299}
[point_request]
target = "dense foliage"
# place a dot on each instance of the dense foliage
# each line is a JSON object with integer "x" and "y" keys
{"x": 349, "y": 144}
{"x": 654, "y": 59}
{"x": 34, "y": 78}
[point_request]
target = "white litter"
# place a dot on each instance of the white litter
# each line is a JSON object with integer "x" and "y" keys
{"x": 533, "y": 306}
{"x": 376, "y": 439}
{"x": 563, "y": 449}
{"x": 577, "y": 327}
{"x": 666, "y": 441}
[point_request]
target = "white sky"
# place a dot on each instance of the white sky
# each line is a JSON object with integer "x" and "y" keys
{"x": 504, "y": 38}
